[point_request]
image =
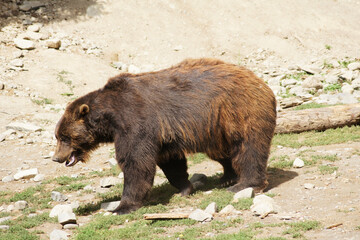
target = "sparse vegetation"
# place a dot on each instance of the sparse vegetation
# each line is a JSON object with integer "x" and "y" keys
{"x": 326, "y": 169}
{"x": 309, "y": 106}
{"x": 336, "y": 87}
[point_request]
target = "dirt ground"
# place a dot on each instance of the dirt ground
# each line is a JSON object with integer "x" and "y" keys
{"x": 155, "y": 34}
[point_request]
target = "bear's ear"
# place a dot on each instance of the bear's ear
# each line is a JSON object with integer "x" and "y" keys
{"x": 83, "y": 110}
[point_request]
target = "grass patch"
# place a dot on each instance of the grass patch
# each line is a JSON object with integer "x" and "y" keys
{"x": 42, "y": 101}
{"x": 72, "y": 187}
{"x": 196, "y": 158}
{"x": 336, "y": 87}
{"x": 327, "y": 47}
{"x": 315, "y": 138}
{"x": 297, "y": 229}
{"x": 309, "y": 106}
{"x": 113, "y": 171}
{"x": 297, "y": 76}
{"x": 281, "y": 162}
{"x": 326, "y": 169}
{"x": 37, "y": 197}
{"x": 65, "y": 180}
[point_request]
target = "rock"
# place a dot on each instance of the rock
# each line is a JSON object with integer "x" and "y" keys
{"x": 10, "y": 208}
{"x": 346, "y": 98}
{"x": 56, "y": 196}
{"x": 112, "y": 162}
{"x": 66, "y": 218}
{"x": 4, "y": 227}
{"x": 290, "y": 102}
{"x": 39, "y": 177}
{"x": 71, "y": 226}
{"x": 24, "y": 44}
{"x": 356, "y": 83}
{"x": 19, "y": 126}
{"x": 198, "y": 177}
{"x": 289, "y": 82}
{"x": 93, "y": 11}
{"x": 17, "y": 63}
{"x": 6, "y": 134}
{"x": 274, "y": 82}
{"x": 347, "y": 88}
{"x": 200, "y": 216}
{"x": 121, "y": 175}
{"x": 263, "y": 205}
{"x": 20, "y": 205}
{"x": 197, "y": 185}
{"x": 311, "y": 69}
{"x": 309, "y": 186}
{"x": 298, "y": 163}
{"x": 110, "y": 206}
{"x": 312, "y": 82}
{"x": 29, "y": 173}
{"x": 2, "y": 87}
{"x": 4, "y": 219}
{"x": 277, "y": 90}
{"x": 347, "y": 75}
{"x": 30, "y": 5}
{"x": 354, "y": 66}
{"x": 229, "y": 209}
{"x": 211, "y": 208}
{"x": 298, "y": 91}
{"x": 109, "y": 182}
{"x": 34, "y": 28}
{"x": 89, "y": 188}
{"x": 59, "y": 235}
{"x": 245, "y": 193}
{"x": 133, "y": 69}
{"x": 33, "y": 35}
{"x": 53, "y": 43}
{"x": 7, "y": 179}
{"x": 55, "y": 211}
{"x": 331, "y": 79}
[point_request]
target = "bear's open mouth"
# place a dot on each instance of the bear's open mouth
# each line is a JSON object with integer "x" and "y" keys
{"x": 71, "y": 161}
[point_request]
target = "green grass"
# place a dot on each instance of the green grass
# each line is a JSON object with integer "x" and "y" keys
{"x": 327, "y": 47}
{"x": 281, "y": 162}
{"x": 309, "y": 106}
{"x": 37, "y": 197}
{"x": 65, "y": 180}
{"x": 42, "y": 101}
{"x": 71, "y": 188}
{"x": 196, "y": 158}
{"x": 314, "y": 138}
{"x": 336, "y": 87}
{"x": 297, "y": 76}
{"x": 297, "y": 229}
{"x": 326, "y": 169}
{"x": 113, "y": 171}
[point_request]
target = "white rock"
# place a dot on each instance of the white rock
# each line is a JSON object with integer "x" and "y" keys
{"x": 53, "y": 43}
{"x": 346, "y": 98}
{"x": 263, "y": 205}
{"x": 59, "y": 209}
{"x": 20, "y": 126}
{"x": 356, "y": 83}
{"x": 20, "y": 205}
{"x": 110, "y": 206}
{"x": 347, "y": 75}
{"x": 274, "y": 82}
{"x": 8, "y": 179}
{"x": 290, "y": 102}
{"x": 17, "y": 63}
{"x": 298, "y": 91}
{"x": 34, "y": 28}
{"x": 312, "y": 82}
{"x": 200, "y": 216}
{"x": 133, "y": 69}
{"x": 109, "y": 181}
{"x": 89, "y": 187}
{"x": 121, "y": 175}
{"x": 10, "y": 208}
{"x": 70, "y": 226}
{"x": 298, "y": 163}
{"x": 57, "y": 196}
{"x": 29, "y": 5}
{"x": 33, "y": 35}
{"x": 354, "y": 66}
{"x": 245, "y": 193}
{"x": 112, "y": 162}
{"x": 93, "y": 11}
{"x": 24, "y": 44}
{"x": 229, "y": 209}
{"x": 4, "y": 227}
{"x": 289, "y": 82}
{"x": 311, "y": 69}
{"x": 331, "y": 79}
{"x": 309, "y": 186}
{"x": 39, "y": 177}
{"x": 346, "y": 88}
{"x": 29, "y": 173}
{"x": 211, "y": 208}
{"x": 4, "y": 219}
{"x": 59, "y": 235}
{"x": 66, "y": 218}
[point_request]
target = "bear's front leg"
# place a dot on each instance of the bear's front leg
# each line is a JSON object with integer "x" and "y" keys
{"x": 139, "y": 173}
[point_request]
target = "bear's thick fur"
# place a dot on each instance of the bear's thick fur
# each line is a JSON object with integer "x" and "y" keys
{"x": 156, "y": 118}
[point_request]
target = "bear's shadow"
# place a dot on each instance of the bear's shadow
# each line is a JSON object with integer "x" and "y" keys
{"x": 163, "y": 193}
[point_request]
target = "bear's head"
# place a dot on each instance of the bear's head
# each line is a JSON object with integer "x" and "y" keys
{"x": 74, "y": 137}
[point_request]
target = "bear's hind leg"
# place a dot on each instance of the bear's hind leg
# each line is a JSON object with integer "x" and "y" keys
{"x": 250, "y": 162}
{"x": 230, "y": 176}
{"x": 175, "y": 169}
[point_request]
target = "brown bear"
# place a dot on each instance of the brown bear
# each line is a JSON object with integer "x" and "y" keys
{"x": 156, "y": 118}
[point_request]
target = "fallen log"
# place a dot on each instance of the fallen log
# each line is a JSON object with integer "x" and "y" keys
{"x": 291, "y": 121}
{"x": 158, "y": 216}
